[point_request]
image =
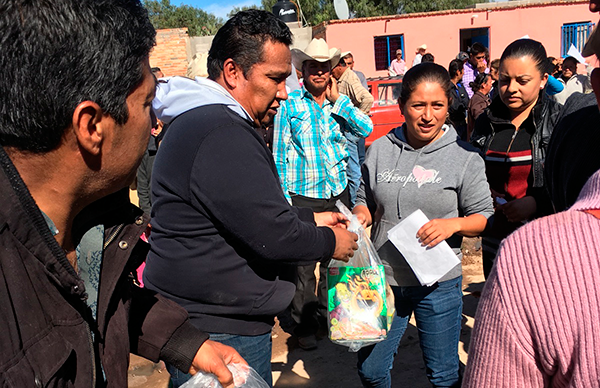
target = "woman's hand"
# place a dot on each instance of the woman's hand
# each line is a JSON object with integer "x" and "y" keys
{"x": 438, "y": 230}
{"x": 519, "y": 210}
{"x": 363, "y": 214}
{"x": 495, "y": 196}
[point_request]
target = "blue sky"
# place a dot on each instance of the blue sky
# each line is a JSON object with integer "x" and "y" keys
{"x": 217, "y": 8}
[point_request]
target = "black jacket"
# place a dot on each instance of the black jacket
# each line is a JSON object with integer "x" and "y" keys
{"x": 144, "y": 174}
{"x": 221, "y": 226}
{"x": 573, "y": 150}
{"x": 46, "y": 336}
{"x": 545, "y": 115}
{"x": 458, "y": 108}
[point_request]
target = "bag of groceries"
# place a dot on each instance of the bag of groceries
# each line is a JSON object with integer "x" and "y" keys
{"x": 360, "y": 301}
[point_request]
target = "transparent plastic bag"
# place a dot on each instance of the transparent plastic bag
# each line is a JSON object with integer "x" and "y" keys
{"x": 243, "y": 377}
{"x": 360, "y": 301}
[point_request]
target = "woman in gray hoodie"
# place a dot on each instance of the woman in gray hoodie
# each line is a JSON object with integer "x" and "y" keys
{"x": 422, "y": 165}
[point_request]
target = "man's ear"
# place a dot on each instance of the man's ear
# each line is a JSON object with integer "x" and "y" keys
{"x": 89, "y": 124}
{"x": 232, "y": 73}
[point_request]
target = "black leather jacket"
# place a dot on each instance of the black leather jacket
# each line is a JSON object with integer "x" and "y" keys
{"x": 545, "y": 116}
{"x": 46, "y": 327}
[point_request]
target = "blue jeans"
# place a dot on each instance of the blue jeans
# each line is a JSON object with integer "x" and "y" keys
{"x": 353, "y": 172}
{"x": 438, "y": 312}
{"x": 256, "y": 350}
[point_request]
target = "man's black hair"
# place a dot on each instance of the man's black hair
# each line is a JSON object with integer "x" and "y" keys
{"x": 455, "y": 66}
{"x": 155, "y": 70}
{"x": 477, "y": 48}
{"x": 59, "y": 53}
{"x": 242, "y": 39}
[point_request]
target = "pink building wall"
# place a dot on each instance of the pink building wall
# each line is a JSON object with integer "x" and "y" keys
{"x": 441, "y": 30}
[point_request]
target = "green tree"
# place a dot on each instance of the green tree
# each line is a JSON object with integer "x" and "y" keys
{"x": 165, "y": 15}
{"x": 244, "y": 8}
{"x": 317, "y": 11}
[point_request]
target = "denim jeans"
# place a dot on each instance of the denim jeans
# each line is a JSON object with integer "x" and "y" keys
{"x": 438, "y": 311}
{"x": 256, "y": 350}
{"x": 353, "y": 172}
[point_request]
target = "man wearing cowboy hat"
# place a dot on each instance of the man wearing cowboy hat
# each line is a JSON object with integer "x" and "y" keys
{"x": 349, "y": 85}
{"x": 311, "y": 155}
{"x": 421, "y": 50}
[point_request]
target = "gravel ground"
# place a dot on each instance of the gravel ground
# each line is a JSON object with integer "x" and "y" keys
{"x": 332, "y": 365}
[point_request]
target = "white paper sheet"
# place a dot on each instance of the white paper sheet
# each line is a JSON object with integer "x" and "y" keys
{"x": 428, "y": 264}
{"x": 573, "y": 52}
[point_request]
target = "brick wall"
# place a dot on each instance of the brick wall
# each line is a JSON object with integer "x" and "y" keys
{"x": 170, "y": 52}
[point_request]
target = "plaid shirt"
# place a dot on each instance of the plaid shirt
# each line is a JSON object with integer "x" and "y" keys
{"x": 469, "y": 76}
{"x": 309, "y": 145}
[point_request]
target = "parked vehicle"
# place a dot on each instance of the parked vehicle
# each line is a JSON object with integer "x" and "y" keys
{"x": 385, "y": 112}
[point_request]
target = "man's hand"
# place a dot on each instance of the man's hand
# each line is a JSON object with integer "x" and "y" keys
{"x": 345, "y": 244}
{"x": 437, "y": 230}
{"x": 519, "y": 210}
{"x": 331, "y": 219}
{"x": 332, "y": 92}
{"x": 213, "y": 357}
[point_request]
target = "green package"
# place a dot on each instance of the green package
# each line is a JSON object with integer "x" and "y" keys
{"x": 357, "y": 303}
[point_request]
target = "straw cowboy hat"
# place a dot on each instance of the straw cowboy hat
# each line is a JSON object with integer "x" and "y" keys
{"x": 317, "y": 50}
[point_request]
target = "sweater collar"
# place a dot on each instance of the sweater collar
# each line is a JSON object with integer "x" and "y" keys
{"x": 589, "y": 197}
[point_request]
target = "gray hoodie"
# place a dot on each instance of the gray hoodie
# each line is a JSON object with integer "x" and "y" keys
{"x": 177, "y": 95}
{"x": 444, "y": 179}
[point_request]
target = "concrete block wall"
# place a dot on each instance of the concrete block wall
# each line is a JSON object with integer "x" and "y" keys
{"x": 171, "y": 51}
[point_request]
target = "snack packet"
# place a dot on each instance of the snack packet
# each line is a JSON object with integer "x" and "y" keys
{"x": 360, "y": 302}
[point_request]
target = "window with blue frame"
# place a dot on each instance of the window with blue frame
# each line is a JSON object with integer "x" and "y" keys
{"x": 575, "y": 34}
{"x": 385, "y": 50}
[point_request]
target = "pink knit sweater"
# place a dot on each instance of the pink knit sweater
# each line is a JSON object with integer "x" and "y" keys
{"x": 538, "y": 321}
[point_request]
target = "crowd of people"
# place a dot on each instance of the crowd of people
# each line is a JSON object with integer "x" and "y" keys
{"x": 235, "y": 223}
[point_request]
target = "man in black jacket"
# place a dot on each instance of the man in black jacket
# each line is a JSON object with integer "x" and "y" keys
{"x": 70, "y": 137}
{"x": 222, "y": 230}
{"x": 460, "y": 99}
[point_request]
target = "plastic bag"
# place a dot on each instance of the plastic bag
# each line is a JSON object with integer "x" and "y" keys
{"x": 360, "y": 301}
{"x": 243, "y": 377}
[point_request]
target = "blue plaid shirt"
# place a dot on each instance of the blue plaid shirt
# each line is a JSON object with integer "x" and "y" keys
{"x": 309, "y": 143}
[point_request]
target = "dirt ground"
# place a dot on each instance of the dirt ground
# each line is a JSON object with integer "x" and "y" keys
{"x": 332, "y": 365}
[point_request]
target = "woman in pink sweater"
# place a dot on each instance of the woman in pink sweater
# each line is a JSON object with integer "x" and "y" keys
{"x": 538, "y": 322}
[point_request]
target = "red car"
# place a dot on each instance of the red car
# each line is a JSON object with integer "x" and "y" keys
{"x": 385, "y": 112}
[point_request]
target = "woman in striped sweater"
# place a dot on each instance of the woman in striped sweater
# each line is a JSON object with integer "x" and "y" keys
{"x": 512, "y": 136}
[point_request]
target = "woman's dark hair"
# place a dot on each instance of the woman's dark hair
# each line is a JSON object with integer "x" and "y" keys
{"x": 428, "y": 58}
{"x": 425, "y": 72}
{"x": 478, "y": 82}
{"x": 455, "y": 66}
{"x": 527, "y": 48}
